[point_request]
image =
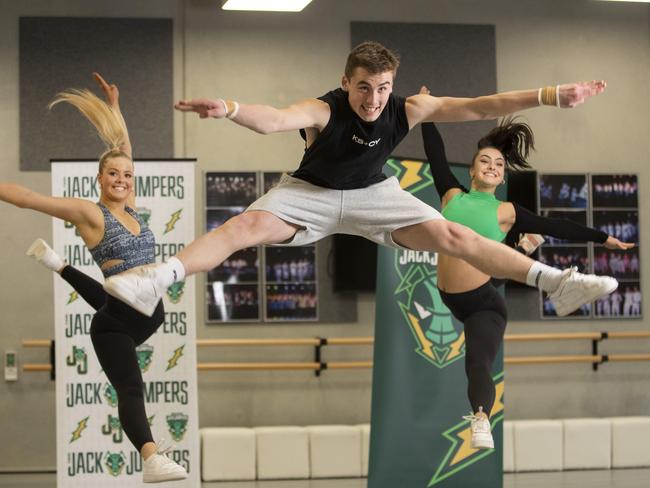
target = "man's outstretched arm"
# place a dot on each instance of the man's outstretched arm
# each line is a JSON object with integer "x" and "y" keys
{"x": 425, "y": 108}
{"x": 264, "y": 119}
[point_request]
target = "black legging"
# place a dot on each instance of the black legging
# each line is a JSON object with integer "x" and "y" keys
{"x": 484, "y": 316}
{"x": 116, "y": 330}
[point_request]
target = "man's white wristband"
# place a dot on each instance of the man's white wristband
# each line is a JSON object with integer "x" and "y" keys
{"x": 225, "y": 105}
{"x": 234, "y": 112}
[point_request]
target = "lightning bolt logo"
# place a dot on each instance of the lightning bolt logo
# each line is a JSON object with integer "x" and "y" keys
{"x": 173, "y": 361}
{"x": 424, "y": 344}
{"x": 460, "y": 454}
{"x": 81, "y": 426}
{"x": 73, "y": 296}
{"x": 412, "y": 175}
{"x": 456, "y": 348}
{"x": 413, "y": 277}
{"x": 169, "y": 226}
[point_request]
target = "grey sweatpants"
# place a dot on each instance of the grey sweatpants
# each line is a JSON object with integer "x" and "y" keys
{"x": 373, "y": 212}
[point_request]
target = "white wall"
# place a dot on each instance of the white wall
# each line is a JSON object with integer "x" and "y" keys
{"x": 277, "y": 58}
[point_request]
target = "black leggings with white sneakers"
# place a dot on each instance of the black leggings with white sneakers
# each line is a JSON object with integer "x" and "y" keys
{"x": 116, "y": 330}
{"x": 483, "y": 314}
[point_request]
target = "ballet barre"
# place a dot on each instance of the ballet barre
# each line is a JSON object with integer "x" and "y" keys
{"x": 595, "y": 337}
{"x": 36, "y": 367}
{"x": 317, "y": 366}
{"x": 310, "y": 366}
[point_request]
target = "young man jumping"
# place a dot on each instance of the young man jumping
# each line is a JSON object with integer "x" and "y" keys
{"x": 339, "y": 186}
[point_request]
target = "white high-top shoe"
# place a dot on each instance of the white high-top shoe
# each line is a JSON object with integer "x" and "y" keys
{"x": 45, "y": 255}
{"x": 576, "y": 289}
{"x": 136, "y": 287}
{"x": 481, "y": 430}
{"x": 158, "y": 467}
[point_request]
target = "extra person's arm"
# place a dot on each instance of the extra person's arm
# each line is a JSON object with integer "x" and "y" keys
{"x": 77, "y": 211}
{"x": 434, "y": 147}
{"x": 426, "y": 108}
{"x": 112, "y": 95}
{"x": 264, "y": 119}
{"x": 528, "y": 222}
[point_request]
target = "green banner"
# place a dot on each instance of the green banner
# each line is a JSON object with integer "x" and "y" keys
{"x": 418, "y": 436}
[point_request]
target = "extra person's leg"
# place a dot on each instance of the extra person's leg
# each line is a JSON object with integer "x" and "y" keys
{"x": 483, "y": 336}
{"x": 294, "y": 210}
{"x": 44, "y": 254}
{"x": 492, "y": 258}
{"x": 484, "y": 316}
{"x": 242, "y": 231}
{"x": 143, "y": 287}
{"x": 568, "y": 290}
{"x": 116, "y": 351}
{"x": 90, "y": 289}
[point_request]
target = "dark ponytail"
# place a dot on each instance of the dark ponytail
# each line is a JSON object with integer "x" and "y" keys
{"x": 513, "y": 139}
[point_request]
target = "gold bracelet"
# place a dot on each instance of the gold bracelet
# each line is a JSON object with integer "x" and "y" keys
{"x": 548, "y": 95}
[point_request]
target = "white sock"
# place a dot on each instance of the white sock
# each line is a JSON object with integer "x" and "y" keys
{"x": 45, "y": 255}
{"x": 170, "y": 272}
{"x": 544, "y": 277}
{"x": 53, "y": 261}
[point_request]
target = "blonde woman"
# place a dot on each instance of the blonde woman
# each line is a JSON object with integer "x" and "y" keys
{"x": 118, "y": 241}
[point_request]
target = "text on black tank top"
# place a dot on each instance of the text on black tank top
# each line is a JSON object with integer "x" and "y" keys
{"x": 350, "y": 153}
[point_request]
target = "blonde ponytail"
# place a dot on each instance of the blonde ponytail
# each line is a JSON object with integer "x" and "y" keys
{"x": 108, "y": 121}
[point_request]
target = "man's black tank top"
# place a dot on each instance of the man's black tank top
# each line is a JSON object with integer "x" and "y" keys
{"x": 350, "y": 153}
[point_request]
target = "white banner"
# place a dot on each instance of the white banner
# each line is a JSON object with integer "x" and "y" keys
{"x": 92, "y": 449}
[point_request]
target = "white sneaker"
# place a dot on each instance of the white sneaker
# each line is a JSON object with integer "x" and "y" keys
{"x": 576, "y": 289}
{"x": 481, "y": 430}
{"x": 44, "y": 254}
{"x": 158, "y": 467}
{"x": 137, "y": 288}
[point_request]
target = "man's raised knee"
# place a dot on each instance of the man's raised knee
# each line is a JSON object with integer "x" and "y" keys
{"x": 260, "y": 227}
{"x": 460, "y": 239}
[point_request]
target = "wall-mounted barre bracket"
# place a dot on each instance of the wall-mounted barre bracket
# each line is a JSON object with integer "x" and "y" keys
{"x": 322, "y": 341}
{"x": 594, "y": 350}
{"x": 52, "y": 361}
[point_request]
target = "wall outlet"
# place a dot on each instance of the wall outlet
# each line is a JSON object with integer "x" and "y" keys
{"x": 11, "y": 366}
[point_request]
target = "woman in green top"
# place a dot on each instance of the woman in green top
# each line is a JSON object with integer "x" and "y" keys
{"x": 467, "y": 292}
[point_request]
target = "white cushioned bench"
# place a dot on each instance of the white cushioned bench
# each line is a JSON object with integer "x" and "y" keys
{"x": 228, "y": 453}
{"x": 282, "y": 453}
{"x": 587, "y": 443}
{"x": 538, "y": 445}
{"x": 365, "y": 448}
{"x": 630, "y": 442}
{"x": 335, "y": 451}
{"x": 342, "y": 451}
{"x": 508, "y": 447}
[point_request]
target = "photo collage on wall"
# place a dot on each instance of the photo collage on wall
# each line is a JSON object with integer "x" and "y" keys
{"x": 261, "y": 283}
{"x": 607, "y": 202}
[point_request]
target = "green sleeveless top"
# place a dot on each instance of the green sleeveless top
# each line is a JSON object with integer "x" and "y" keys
{"x": 478, "y": 211}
